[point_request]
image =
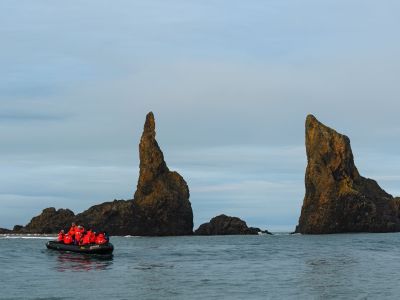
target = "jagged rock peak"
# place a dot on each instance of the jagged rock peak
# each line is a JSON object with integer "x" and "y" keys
{"x": 152, "y": 162}
{"x": 162, "y": 197}
{"x": 338, "y": 198}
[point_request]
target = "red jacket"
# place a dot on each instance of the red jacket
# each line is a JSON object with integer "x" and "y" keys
{"x": 72, "y": 230}
{"x": 67, "y": 239}
{"x": 92, "y": 238}
{"x": 78, "y": 236}
{"x": 60, "y": 237}
{"x": 86, "y": 238}
{"x": 100, "y": 239}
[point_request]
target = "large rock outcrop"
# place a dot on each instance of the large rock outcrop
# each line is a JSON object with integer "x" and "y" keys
{"x": 116, "y": 217}
{"x": 160, "y": 206}
{"x": 49, "y": 221}
{"x": 162, "y": 197}
{"x": 338, "y": 199}
{"x": 226, "y": 225}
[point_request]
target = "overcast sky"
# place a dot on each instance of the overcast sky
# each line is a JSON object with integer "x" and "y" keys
{"x": 230, "y": 84}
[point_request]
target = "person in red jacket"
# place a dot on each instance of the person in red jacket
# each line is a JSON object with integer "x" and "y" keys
{"x": 93, "y": 237}
{"x": 78, "y": 237}
{"x": 100, "y": 239}
{"x": 72, "y": 230}
{"x": 81, "y": 229}
{"x": 60, "y": 238}
{"x": 68, "y": 239}
{"x": 87, "y": 237}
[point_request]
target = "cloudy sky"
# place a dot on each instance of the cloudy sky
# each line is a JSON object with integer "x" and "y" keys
{"x": 230, "y": 83}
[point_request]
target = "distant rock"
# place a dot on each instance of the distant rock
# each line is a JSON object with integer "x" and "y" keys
{"x": 226, "y": 225}
{"x": 338, "y": 199}
{"x": 18, "y": 228}
{"x": 160, "y": 206}
{"x": 162, "y": 197}
{"x": 5, "y": 231}
{"x": 49, "y": 221}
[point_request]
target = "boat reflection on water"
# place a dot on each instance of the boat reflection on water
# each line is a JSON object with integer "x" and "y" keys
{"x": 68, "y": 261}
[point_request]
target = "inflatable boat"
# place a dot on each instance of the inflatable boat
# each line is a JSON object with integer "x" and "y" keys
{"x": 86, "y": 249}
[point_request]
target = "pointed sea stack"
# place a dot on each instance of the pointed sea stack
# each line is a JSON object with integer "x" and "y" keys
{"x": 162, "y": 196}
{"x": 338, "y": 199}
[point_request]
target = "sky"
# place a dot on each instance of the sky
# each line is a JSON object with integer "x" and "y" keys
{"x": 230, "y": 84}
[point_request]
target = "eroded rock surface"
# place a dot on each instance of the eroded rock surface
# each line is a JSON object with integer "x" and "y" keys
{"x": 115, "y": 217}
{"x": 226, "y": 225}
{"x": 162, "y": 197}
{"x": 49, "y": 221}
{"x": 338, "y": 199}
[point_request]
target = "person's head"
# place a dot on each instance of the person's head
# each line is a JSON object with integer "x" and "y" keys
{"x": 62, "y": 231}
{"x": 73, "y": 224}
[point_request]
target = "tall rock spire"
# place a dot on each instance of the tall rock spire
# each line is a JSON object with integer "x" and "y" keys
{"x": 338, "y": 199}
{"x": 162, "y": 196}
{"x": 152, "y": 162}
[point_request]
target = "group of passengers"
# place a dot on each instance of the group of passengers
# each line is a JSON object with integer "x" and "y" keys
{"x": 77, "y": 235}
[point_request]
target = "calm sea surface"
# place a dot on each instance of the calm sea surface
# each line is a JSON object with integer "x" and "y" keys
{"x": 348, "y": 266}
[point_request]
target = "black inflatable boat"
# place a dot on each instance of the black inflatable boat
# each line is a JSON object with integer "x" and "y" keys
{"x": 86, "y": 249}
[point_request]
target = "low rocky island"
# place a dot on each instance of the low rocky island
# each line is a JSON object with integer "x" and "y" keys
{"x": 338, "y": 199}
{"x": 226, "y": 225}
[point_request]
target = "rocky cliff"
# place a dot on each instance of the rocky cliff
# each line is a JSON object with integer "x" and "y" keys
{"x": 160, "y": 206}
{"x": 226, "y": 225}
{"x": 338, "y": 199}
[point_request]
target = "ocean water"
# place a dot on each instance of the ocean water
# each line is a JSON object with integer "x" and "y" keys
{"x": 346, "y": 266}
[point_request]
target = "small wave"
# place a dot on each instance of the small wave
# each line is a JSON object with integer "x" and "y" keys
{"x": 131, "y": 236}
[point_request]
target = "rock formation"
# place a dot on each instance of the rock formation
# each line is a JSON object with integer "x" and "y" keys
{"x": 5, "y": 231}
{"x": 49, "y": 221}
{"x": 116, "y": 217}
{"x": 160, "y": 206}
{"x": 338, "y": 199}
{"x": 226, "y": 225}
{"x": 162, "y": 197}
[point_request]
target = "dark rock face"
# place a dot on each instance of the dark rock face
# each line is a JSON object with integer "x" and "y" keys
{"x": 160, "y": 206}
{"x": 5, "y": 231}
{"x": 225, "y": 225}
{"x": 116, "y": 217}
{"x": 338, "y": 199}
{"x": 49, "y": 221}
{"x": 161, "y": 200}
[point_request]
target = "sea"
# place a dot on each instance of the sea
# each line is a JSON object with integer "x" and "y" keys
{"x": 281, "y": 266}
